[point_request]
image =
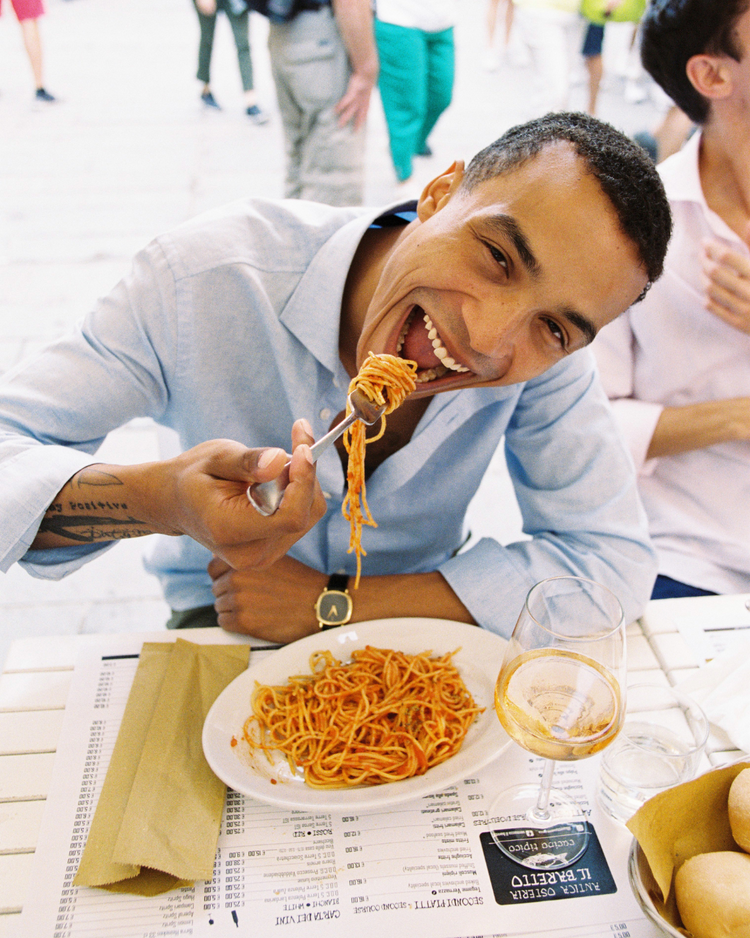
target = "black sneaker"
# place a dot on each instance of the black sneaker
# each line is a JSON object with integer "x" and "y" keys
{"x": 42, "y": 95}
{"x": 256, "y": 115}
{"x": 209, "y": 100}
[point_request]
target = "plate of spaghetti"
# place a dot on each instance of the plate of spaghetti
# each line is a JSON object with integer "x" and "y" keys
{"x": 363, "y": 716}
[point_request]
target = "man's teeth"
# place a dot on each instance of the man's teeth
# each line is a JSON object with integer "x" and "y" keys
{"x": 424, "y": 376}
{"x": 441, "y": 352}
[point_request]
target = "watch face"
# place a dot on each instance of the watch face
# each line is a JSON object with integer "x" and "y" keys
{"x": 334, "y": 607}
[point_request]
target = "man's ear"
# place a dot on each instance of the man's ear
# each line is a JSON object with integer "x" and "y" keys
{"x": 436, "y": 193}
{"x": 710, "y": 76}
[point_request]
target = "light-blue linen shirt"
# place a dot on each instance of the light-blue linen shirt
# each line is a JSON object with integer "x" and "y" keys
{"x": 227, "y": 327}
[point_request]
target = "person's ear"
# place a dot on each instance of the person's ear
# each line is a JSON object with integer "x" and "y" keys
{"x": 710, "y": 76}
{"x": 437, "y": 193}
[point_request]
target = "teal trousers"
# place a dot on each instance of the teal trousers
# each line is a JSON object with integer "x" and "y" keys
{"x": 416, "y": 85}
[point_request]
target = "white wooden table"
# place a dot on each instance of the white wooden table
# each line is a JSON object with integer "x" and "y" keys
{"x": 38, "y": 671}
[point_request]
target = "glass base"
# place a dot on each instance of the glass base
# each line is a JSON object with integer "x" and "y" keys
{"x": 548, "y": 840}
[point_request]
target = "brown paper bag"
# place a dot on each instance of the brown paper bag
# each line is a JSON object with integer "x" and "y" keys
{"x": 157, "y": 821}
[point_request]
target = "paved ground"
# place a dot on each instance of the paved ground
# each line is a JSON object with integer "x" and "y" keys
{"x": 129, "y": 151}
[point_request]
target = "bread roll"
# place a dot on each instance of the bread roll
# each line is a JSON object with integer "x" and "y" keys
{"x": 739, "y": 809}
{"x": 713, "y": 894}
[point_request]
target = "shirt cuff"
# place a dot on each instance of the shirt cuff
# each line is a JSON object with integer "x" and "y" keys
{"x": 488, "y": 585}
{"x": 58, "y": 562}
{"x": 35, "y": 475}
{"x": 637, "y": 421}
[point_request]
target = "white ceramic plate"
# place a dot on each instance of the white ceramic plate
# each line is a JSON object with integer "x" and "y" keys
{"x": 478, "y": 662}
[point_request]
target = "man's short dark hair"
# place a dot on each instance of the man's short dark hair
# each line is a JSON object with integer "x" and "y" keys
{"x": 624, "y": 170}
{"x": 673, "y": 31}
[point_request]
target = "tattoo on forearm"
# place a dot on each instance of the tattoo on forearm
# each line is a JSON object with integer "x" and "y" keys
{"x": 59, "y": 507}
{"x": 88, "y": 510}
{"x": 89, "y": 529}
{"x": 94, "y": 476}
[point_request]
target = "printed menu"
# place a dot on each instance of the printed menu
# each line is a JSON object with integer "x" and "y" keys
{"x": 424, "y": 867}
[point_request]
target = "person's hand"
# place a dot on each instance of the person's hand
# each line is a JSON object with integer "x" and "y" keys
{"x": 726, "y": 280}
{"x": 355, "y": 103}
{"x": 275, "y": 603}
{"x": 206, "y": 497}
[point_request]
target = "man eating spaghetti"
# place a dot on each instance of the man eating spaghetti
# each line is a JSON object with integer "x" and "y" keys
{"x": 231, "y": 327}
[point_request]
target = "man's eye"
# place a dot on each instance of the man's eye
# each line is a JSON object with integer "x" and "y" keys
{"x": 497, "y": 255}
{"x": 556, "y": 331}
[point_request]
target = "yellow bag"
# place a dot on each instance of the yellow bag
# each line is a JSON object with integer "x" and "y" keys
{"x": 626, "y": 11}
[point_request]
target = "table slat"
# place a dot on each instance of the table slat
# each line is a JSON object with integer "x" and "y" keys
{"x": 54, "y": 653}
{"x": 20, "y": 822}
{"x": 9, "y": 925}
{"x": 674, "y": 652}
{"x": 27, "y": 777}
{"x": 15, "y": 872}
{"x": 45, "y": 691}
{"x": 640, "y": 654}
{"x": 30, "y": 731}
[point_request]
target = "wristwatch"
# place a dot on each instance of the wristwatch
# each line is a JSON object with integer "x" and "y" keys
{"x": 334, "y": 606}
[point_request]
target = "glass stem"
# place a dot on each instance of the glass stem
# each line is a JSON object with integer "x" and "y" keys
{"x": 541, "y": 810}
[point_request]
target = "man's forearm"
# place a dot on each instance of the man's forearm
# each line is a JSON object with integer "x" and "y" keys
{"x": 696, "y": 426}
{"x": 99, "y": 503}
{"x": 277, "y": 603}
{"x": 422, "y": 595}
{"x": 355, "y": 23}
{"x": 201, "y": 492}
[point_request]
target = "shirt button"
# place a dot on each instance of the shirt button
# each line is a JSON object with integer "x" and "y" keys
{"x": 336, "y": 383}
{"x": 327, "y": 496}
{"x": 325, "y": 414}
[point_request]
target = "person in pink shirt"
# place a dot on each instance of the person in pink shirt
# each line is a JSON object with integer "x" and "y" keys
{"x": 677, "y": 366}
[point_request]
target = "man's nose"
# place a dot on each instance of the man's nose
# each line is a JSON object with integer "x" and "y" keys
{"x": 493, "y": 332}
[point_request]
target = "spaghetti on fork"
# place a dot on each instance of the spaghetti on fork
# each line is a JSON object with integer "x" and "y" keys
{"x": 385, "y": 380}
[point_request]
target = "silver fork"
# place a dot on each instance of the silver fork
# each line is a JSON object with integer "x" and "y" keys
{"x": 266, "y": 496}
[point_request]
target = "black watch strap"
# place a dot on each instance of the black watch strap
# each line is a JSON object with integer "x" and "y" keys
{"x": 338, "y": 581}
{"x": 334, "y": 605}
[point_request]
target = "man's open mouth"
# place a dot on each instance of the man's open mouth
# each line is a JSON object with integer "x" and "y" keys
{"x": 419, "y": 341}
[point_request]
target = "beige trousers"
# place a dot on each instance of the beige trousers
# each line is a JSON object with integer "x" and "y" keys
{"x": 325, "y": 162}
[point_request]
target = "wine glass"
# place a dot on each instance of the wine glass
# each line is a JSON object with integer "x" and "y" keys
{"x": 561, "y": 695}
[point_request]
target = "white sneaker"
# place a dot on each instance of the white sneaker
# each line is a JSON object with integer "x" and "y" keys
{"x": 635, "y": 93}
{"x": 492, "y": 60}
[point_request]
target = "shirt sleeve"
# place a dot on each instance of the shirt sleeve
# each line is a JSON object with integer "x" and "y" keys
{"x": 576, "y": 489}
{"x": 636, "y": 419}
{"x": 57, "y": 407}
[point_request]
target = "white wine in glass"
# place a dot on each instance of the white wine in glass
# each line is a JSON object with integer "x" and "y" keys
{"x": 559, "y": 695}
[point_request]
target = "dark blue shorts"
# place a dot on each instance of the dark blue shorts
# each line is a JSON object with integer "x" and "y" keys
{"x": 593, "y": 41}
{"x": 667, "y": 588}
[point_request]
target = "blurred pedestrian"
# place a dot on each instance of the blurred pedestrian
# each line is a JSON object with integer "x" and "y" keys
{"x": 493, "y": 56}
{"x": 28, "y": 13}
{"x": 417, "y": 65}
{"x": 593, "y": 43}
{"x": 597, "y": 13}
{"x": 325, "y": 65}
{"x": 551, "y": 31}
{"x": 239, "y": 20}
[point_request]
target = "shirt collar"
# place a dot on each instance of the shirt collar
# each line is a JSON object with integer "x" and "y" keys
{"x": 313, "y": 311}
{"x": 681, "y": 176}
